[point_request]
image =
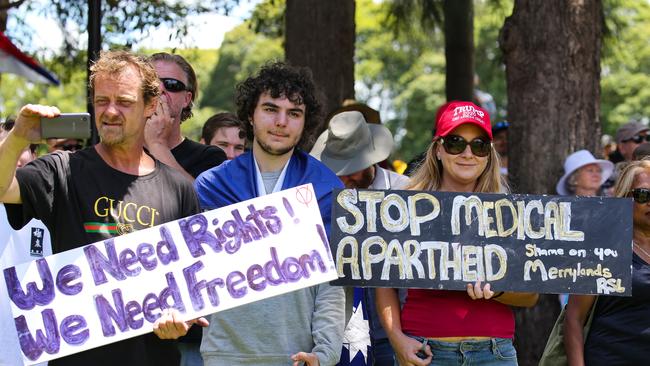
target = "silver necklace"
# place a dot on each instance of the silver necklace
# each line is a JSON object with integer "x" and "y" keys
{"x": 641, "y": 249}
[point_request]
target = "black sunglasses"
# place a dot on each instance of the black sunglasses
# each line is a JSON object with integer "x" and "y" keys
{"x": 173, "y": 85}
{"x": 641, "y": 195}
{"x": 638, "y": 139}
{"x": 455, "y": 145}
{"x": 71, "y": 147}
{"x": 7, "y": 126}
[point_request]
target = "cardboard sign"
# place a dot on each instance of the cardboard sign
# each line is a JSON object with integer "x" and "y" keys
{"x": 442, "y": 240}
{"x": 112, "y": 290}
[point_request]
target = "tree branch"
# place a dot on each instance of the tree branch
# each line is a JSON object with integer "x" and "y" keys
{"x": 15, "y": 4}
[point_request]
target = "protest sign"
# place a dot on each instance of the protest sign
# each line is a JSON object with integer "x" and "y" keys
{"x": 115, "y": 289}
{"x": 443, "y": 240}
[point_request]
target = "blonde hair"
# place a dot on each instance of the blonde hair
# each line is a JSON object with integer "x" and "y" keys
{"x": 428, "y": 176}
{"x": 114, "y": 62}
{"x": 626, "y": 179}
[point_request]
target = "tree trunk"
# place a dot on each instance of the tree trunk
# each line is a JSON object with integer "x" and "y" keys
{"x": 552, "y": 55}
{"x": 320, "y": 35}
{"x": 459, "y": 49}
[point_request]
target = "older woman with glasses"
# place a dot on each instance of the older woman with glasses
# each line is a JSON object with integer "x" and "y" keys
{"x": 620, "y": 328}
{"x": 475, "y": 326}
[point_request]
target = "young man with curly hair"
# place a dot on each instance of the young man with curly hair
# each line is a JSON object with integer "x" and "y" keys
{"x": 281, "y": 112}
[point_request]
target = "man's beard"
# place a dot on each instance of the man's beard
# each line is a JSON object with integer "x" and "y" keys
{"x": 276, "y": 152}
{"x": 366, "y": 179}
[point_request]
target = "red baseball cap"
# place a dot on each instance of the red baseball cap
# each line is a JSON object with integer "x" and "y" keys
{"x": 457, "y": 113}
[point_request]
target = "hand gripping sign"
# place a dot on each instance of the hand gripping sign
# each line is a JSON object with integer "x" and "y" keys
{"x": 112, "y": 290}
{"x": 444, "y": 240}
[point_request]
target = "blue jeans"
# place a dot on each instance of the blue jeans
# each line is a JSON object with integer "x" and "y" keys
{"x": 496, "y": 351}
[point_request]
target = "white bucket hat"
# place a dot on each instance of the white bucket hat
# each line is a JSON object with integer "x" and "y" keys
{"x": 576, "y": 161}
{"x": 350, "y": 144}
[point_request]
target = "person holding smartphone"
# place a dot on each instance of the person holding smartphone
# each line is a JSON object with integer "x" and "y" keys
{"x": 73, "y": 193}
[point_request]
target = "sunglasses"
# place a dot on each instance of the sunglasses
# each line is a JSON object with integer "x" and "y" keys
{"x": 638, "y": 139}
{"x": 68, "y": 147}
{"x": 455, "y": 145}
{"x": 173, "y": 85}
{"x": 7, "y": 126}
{"x": 641, "y": 195}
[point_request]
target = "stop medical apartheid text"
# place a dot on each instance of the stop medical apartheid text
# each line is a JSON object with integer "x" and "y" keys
{"x": 442, "y": 240}
{"x": 116, "y": 289}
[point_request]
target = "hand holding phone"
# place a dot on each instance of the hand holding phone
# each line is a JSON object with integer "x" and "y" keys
{"x": 66, "y": 125}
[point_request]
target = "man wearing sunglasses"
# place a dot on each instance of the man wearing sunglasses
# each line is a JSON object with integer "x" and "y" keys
{"x": 163, "y": 136}
{"x": 629, "y": 136}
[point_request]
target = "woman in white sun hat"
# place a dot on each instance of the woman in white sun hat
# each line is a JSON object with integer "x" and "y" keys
{"x": 583, "y": 174}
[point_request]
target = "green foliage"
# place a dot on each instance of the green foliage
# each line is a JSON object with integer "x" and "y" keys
{"x": 124, "y": 23}
{"x": 625, "y": 64}
{"x": 241, "y": 54}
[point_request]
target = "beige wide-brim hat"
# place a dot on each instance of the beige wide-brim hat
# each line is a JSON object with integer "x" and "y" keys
{"x": 350, "y": 144}
{"x": 576, "y": 161}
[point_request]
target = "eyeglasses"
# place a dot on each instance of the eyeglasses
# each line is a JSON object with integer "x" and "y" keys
{"x": 173, "y": 85}
{"x": 641, "y": 195}
{"x": 455, "y": 145}
{"x": 7, "y": 126}
{"x": 68, "y": 147}
{"x": 637, "y": 139}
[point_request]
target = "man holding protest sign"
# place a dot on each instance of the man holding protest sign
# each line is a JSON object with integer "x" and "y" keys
{"x": 282, "y": 111}
{"x": 97, "y": 193}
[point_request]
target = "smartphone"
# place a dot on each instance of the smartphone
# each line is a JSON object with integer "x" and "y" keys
{"x": 66, "y": 125}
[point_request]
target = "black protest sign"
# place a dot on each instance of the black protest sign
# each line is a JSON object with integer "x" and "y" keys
{"x": 443, "y": 240}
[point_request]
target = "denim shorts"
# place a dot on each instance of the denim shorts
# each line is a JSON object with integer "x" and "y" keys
{"x": 496, "y": 351}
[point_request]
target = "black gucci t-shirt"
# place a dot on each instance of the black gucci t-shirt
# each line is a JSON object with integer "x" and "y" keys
{"x": 83, "y": 200}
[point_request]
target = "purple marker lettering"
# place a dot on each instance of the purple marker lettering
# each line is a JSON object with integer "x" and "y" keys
{"x": 289, "y": 208}
{"x": 231, "y": 230}
{"x": 312, "y": 261}
{"x": 127, "y": 259}
{"x": 99, "y": 263}
{"x": 195, "y": 232}
{"x": 323, "y": 238}
{"x": 149, "y": 305}
{"x": 173, "y": 293}
{"x": 195, "y": 287}
{"x": 106, "y": 312}
{"x": 48, "y": 341}
{"x": 291, "y": 269}
{"x": 235, "y": 278}
{"x": 256, "y": 217}
{"x": 66, "y": 275}
{"x": 273, "y": 224}
{"x": 133, "y": 309}
{"x": 33, "y": 296}
{"x": 247, "y": 231}
{"x": 74, "y": 330}
{"x": 166, "y": 248}
{"x": 274, "y": 264}
{"x": 145, "y": 252}
{"x": 256, "y": 272}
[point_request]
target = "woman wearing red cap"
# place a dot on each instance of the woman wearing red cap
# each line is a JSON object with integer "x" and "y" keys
{"x": 476, "y": 326}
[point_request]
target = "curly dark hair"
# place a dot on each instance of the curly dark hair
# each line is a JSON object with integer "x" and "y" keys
{"x": 280, "y": 79}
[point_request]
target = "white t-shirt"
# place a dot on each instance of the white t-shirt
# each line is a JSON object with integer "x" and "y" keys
{"x": 27, "y": 244}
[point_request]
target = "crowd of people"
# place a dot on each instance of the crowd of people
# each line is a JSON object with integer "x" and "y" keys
{"x": 143, "y": 158}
